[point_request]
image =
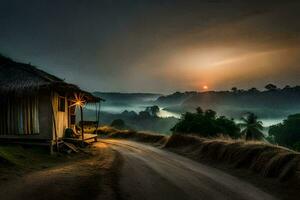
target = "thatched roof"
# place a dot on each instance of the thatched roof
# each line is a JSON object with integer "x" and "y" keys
{"x": 18, "y": 77}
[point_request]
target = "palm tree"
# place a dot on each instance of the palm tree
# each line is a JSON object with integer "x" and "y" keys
{"x": 252, "y": 127}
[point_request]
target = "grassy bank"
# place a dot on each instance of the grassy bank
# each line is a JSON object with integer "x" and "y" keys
{"x": 265, "y": 159}
{"x": 31, "y": 173}
{"x": 110, "y": 132}
{"x": 262, "y": 158}
{"x": 17, "y": 160}
{"x": 25, "y": 157}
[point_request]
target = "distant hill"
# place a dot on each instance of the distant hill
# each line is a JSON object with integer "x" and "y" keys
{"x": 270, "y": 103}
{"x": 176, "y": 98}
{"x": 127, "y": 98}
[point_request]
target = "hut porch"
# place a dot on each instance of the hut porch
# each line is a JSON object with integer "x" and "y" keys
{"x": 37, "y": 107}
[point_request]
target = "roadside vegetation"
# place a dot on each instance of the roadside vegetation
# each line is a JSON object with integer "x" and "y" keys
{"x": 206, "y": 124}
{"x": 205, "y": 136}
{"x": 287, "y": 133}
{"x": 111, "y": 132}
{"x": 32, "y": 173}
{"x": 27, "y": 157}
{"x": 17, "y": 160}
{"x": 260, "y": 157}
{"x": 257, "y": 156}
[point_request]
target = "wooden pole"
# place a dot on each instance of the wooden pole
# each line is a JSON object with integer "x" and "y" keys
{"x": 82, "y": 132}
{"x": 97, "y": 115}
{"x": 54, "y": 123}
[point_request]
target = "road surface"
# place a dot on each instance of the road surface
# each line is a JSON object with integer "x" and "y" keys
{"x": 151, "y": 173}
{"x": 126, "y": 170}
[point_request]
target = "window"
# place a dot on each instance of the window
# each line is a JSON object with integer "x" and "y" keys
{"x": 61, "y": 104}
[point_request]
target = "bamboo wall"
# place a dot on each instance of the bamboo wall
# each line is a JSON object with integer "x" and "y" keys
{"x": 19, "y": 115}
{"x": 37, "y": 124}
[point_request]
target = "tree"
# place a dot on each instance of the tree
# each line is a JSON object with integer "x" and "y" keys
{"x": 287, "y": 133}
{"x": 206, "y": 124}
{"x": 287, "y": 87}
{"x": 118, "y": 123}
{"x": 153, "y": 110}
{"x": 271, "y": 87}
{"x": 210, "y": 114}
{"x": 144, "y": 115}
{"x": 199, "y": 110}
{"x": 253, "y": 90}
{"x": 234, "y": 89}
{"x": 252, "y": 127}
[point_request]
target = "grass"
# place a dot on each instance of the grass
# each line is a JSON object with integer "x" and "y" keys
{"x": 110, "y": 132}
{"x": 27, "y": 158}
{"x": 259, "y": 157}
{"x": 265, "y": 159}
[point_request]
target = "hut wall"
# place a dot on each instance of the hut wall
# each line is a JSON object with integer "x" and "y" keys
{"x": 45, "y": 116}
{"x": 61, "y": 115}
{"x": 40, "y": 124}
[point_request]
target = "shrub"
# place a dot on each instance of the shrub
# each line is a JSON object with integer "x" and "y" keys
{"x": 287, "y": 133}
{"x": 118, "y": 123}
{"x": 206, "y": 124}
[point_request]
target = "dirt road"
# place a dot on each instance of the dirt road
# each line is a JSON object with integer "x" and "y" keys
{"x": 124, "y": 170}
{"x": 93, "y": 176}
{"x": 152, "y": 173}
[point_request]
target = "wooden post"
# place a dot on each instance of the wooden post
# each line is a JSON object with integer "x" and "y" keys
{"x": 54, "y": 123}
{"x": 82, "y": 131}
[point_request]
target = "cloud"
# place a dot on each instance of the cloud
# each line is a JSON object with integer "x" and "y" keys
{"x": 156, "y": 46}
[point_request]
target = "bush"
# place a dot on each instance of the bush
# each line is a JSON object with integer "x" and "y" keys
{"x": 118, "y": 123}
{"x": 206, "y": 124}
{"x": 287, "y": 133}
{"x": 296, "y": 146}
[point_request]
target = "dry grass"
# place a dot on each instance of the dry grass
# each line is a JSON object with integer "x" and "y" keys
{"x": 110, "y": 132}
{"x": 266, "y": 159}
{"x": 259, "y": 157}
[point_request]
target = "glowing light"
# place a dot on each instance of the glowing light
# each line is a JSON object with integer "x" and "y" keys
{"x": 205, "y": 87}
{"x": 78, "y": 100}
{"x": 78, "y": 103}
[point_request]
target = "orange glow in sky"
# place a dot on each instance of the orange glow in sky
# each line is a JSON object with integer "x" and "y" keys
{"x": 205, "y": 87}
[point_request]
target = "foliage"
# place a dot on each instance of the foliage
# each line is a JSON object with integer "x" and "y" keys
{"x": 288, "y": 132}
{"x": 271, "y": 139}
{"x": 271, "y": 87}
{"x": 118, "y": 123}
{"x": 144, "y": 115}
{"x": 234, "y": 89}
{"x": 253, "y": 90}
{"x": 153, "y": 110}
{"x": 296, "y": 146}
{"x": 206, "y": 124}
{"x": 252, "y": 127}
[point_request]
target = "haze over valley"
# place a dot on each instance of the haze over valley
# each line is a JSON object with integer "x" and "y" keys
{"x": 272, "y": 106}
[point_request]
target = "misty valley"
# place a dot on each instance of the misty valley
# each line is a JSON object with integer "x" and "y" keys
{"x": 271, "y": 105}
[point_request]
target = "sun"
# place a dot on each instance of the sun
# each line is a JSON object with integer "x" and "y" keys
{"x": 205, "y": 87}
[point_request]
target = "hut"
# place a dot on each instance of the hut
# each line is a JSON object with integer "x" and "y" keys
{"x": 35, "y": 106}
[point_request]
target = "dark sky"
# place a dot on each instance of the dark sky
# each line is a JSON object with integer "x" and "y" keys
{"x": 156, "y": 46}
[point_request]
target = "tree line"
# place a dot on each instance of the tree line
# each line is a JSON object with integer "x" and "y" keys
{"x": 208, "y": 124}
